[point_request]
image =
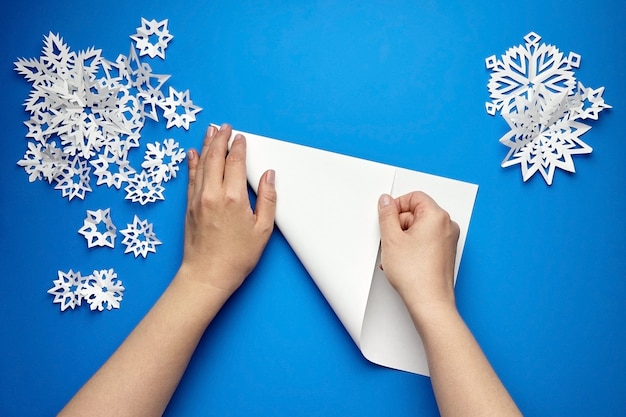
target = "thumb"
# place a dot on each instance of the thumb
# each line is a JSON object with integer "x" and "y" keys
{"x": 266, "y": 201}
{"x": 388, "y": 216}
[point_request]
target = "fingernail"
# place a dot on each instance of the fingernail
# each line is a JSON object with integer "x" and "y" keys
{"x": 191, "y": 155}
{"x": 270, "y": 178}
{"x": 224, "y": 126}
{"x": 384, "y": 200}
{"x": 238, "y": 136}
{"x": 211, "y": 131}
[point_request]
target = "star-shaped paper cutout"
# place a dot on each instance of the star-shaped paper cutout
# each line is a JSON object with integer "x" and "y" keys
{"x": 67, "y": 289}
{"x": 148, "y": 29}
{"x": 139, "y": 238}
{"x": 90, "y": 228}
{"x": 178, "y": 109}
{"x": 143, "y": 188}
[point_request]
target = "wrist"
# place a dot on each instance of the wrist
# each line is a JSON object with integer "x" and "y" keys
{"x": 192, "y": 281}
{"x": 432, "y": 315}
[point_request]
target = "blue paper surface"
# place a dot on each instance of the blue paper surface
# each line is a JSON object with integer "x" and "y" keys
{"x": 542, "y": 283}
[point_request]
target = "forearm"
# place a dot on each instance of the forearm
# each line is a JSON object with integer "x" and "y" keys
{"x": 141, "y": 376}
{"x": 464, "y": 382}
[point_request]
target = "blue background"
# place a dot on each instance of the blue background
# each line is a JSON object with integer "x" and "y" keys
{"x": 542, "y": 283}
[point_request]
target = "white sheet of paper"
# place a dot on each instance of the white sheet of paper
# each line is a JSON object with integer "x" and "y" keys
{"x": 327, "y": 211}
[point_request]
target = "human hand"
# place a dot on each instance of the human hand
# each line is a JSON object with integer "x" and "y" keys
{"x": 224, "y": 238}
{"x": 418, "y": 242}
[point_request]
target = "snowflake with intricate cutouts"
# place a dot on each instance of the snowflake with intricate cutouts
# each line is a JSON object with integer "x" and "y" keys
{"x": 143, "y": 188}
{"x": 91, "y": 232}
{"x": 178, "y": 109}
{"x": 103, "y": 289}
{"x": 111, "y": 169}
{"x": 534, "y": 88}
{"x": 139, "y": 238}
{"x": 146, "y": 31}
{"x": 73, "y": 179}
{"x": 161, "y": 160}
{"x": 43, "y": 161}
{"x": 67, "y": 289}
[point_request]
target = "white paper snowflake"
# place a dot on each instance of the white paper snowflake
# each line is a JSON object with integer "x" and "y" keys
{"x": 73, "y": 179}
{"x": 139, "y": 238}
{"x": 143, "y": 188}
{"x": 92, "y": 232}
{"x": 534, "y": 89}
{"x": 161, "y": 160}
{"x": 103, "y": 290}
{"x": 111, "y": 169}
{"x": 67, "y": 289}
{"x": 146, "y": 31}
{"x": 178, "y": 109}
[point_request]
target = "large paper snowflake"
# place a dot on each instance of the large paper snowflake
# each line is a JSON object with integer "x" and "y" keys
{"x": 534, "y": 89}
{"x": 67, "y": 289}
{"x": 103, "y": 290}
{"x": 91, "y": 230}
{"x": 139, "y": 238}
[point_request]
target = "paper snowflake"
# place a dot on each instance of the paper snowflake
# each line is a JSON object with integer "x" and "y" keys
{"x": 146, "y": 31}
{"x": 533, "y": 87}
{"x": 162, "y": 160}
{"x": 139, "y": 238}
{"x": 73, "y": 179}
{"x": 103, "y": 290}
{"x": 91, "y": 231}
{"x": 67, "y": 289}
{"x": 111, "y": 169}
{"x": 143, "y": 188}
{"x": 178, "y": 109}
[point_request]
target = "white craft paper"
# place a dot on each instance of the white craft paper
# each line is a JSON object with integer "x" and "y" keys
{"x": 327, "y": 211}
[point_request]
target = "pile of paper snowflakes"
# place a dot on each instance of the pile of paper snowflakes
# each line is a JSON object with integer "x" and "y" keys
{"x": 534, "y": 88}
{"x": 86, "y": 116}
{"x": 87, "y": 112}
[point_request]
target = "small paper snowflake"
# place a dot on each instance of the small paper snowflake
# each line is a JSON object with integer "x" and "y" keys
{"x": 111, "y": 169}
{"x": 103, "y": 290}
{"x": 143, "y": 188}
{"x": 534, "y": 88}
{"x": 73, "y": 179}
{"x": 43, "y": 161}
{"x": 147, "y": 30}
{"x": 90, "y": 230}
{"x": 67, "y": 289}
{"x": 162, "y": 160}
{"x": 139, "y": 238}
{"x": 178, "y": 109}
